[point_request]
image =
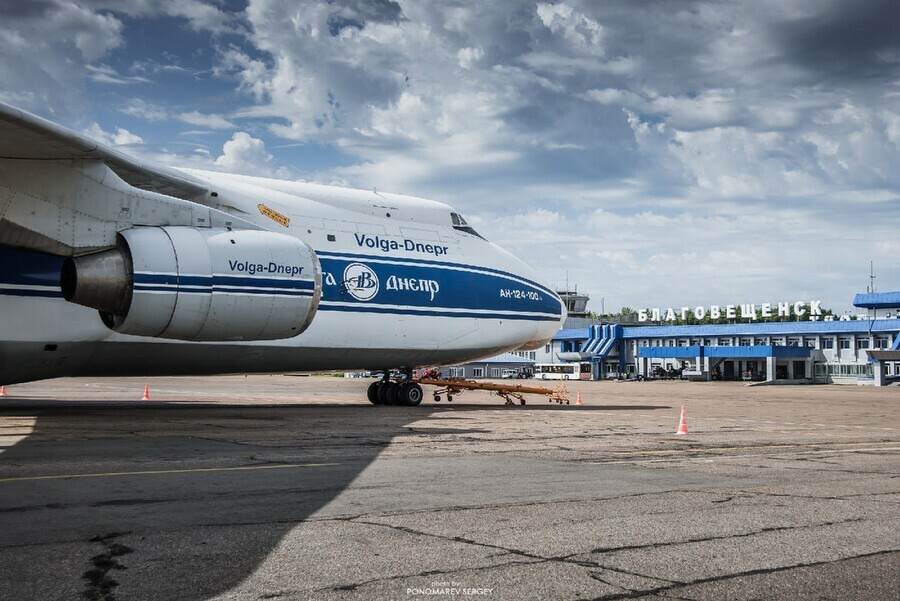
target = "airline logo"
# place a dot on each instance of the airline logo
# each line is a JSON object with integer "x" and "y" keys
{"x": 360, "y": 281}
{"x": 251, "y": 268}
{"x": 413, "y": 284}
{"x": 391, "y": 246}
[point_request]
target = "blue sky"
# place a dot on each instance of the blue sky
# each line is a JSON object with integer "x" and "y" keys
{"x": 660, "y": 153}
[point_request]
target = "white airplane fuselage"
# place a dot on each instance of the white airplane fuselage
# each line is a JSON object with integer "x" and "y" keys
{"x": 404, "y": 282}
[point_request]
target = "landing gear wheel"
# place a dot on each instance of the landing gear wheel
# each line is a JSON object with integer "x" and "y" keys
{"x": 521, "y": 401}
{"x": 410, "y": 394}
{"x": 386, "y": 394}
{"x": 449, "y": 399}
{"x": 437, "y": 398}
{"x": 372, "y": 393}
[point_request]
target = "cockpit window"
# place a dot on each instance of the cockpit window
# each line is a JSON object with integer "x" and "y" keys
{"x": 459, "y": 223}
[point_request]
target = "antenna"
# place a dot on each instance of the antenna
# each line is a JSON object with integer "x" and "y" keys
{"x": 871, "y": 276}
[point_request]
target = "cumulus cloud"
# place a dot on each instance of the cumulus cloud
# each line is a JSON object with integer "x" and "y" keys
{"x": 245, "y": 154}
{"x": 121, "y": 137}
{"x": 45, "y": 48}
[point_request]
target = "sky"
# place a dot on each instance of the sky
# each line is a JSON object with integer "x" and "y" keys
{"x": 657, "y": 153}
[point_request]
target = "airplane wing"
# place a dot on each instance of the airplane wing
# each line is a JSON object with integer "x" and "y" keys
{"x": 65, "y": 194}
{"x": 27, "y": 136}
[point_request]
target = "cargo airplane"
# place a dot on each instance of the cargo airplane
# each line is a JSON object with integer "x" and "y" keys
{"x": 113, "y": 266}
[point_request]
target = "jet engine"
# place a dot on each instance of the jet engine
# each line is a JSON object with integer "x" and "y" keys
{"x": 199, "y": 284}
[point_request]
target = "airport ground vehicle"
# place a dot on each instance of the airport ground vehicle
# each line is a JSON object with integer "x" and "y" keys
{"x": 561, "y": 371}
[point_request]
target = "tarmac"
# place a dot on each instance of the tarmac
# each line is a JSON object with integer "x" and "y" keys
{"x": 286, "y": 487}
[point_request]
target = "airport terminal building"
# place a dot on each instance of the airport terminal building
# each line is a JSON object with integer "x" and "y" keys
{"x": 850, "y": 349}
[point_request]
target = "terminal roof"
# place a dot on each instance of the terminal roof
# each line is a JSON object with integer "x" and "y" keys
{"x": 782, "y": 328}
{"x": 877, "y": 300}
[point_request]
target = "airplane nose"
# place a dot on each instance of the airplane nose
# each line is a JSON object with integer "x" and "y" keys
{"x": 541, "y": 310}
{"x": 546, "y": 330}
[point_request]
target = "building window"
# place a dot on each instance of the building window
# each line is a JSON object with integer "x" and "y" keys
{"x": 862, "y": 343}
{"x": 828, "y": 343}
{"x": 724, "y": 341}
{"x": 884, "y": 343}
{"x": 457, "y": 372}
{"x": 811, "y": 342}
{"x": 495, "y": 372}
{"x": 746, "y": 341}
{"x": 644, "y": 343}
{"x": 761, "y": 342}
{"x": 844, "y": 343}
{"x": 793, "y": 342}
{"x": 778, "y": 342}
{"x": 696, "y": 342}
{"x": 546, "y": 348}
{"x": 670, "y": 342}
{"x": 477, "y": 372}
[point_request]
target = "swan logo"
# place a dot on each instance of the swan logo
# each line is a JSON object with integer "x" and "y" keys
{"x": 360, "y": 281}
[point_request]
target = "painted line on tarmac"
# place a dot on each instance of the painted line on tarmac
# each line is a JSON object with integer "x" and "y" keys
{"x": 166, "y": 472}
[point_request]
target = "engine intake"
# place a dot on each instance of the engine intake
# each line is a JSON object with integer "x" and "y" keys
{"x": 200, "y": 285}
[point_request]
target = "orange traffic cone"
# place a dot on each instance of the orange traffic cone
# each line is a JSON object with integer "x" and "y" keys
{"x": 578, "y": 400}
{"x": 146, "y": 396}
{"x": 2, "y": 390}
{"x": 682, "y": 425}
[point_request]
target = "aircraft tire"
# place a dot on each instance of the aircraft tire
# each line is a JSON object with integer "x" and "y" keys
{"x": 410, "y": 394}
{"x": 385, "y": 396}
{"x": 394, "y": 394}
{"x": 372, "y": 393}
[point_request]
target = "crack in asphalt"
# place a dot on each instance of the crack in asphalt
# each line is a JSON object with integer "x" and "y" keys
{"x": 724, "y": 577}
{"x": 705, "y": 539}
{"x": 855, "y": 497}
{"x": 100, "y": 585}
{"x": 571, "y": 559}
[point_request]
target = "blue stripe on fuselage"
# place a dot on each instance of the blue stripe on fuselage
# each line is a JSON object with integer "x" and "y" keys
{"x": 405, "y": 286}
{"x": 358, "y": 281}
{"x": 30, "y": 268}
{"x": 427, "y": 262}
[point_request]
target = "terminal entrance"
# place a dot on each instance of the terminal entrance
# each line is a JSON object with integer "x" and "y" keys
{"x": 736, "y": 363}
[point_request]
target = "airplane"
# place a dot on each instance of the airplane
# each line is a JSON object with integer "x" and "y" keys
{"x": 111, "y": 265}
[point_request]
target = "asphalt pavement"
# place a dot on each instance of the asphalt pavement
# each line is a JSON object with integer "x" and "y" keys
{"x": 281, "y": 487}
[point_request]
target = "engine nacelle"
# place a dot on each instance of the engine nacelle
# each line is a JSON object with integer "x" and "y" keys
{"x": 199, "y": 284}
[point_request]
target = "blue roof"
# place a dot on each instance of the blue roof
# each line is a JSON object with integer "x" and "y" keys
{"x": 573, "y": 334}
{"x": 877, "y": 300}
{"x": 860, "y": 326}
{"x": 769, "y": 328}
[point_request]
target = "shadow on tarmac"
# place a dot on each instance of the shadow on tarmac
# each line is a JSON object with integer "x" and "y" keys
{"x": 122, "y": 476}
